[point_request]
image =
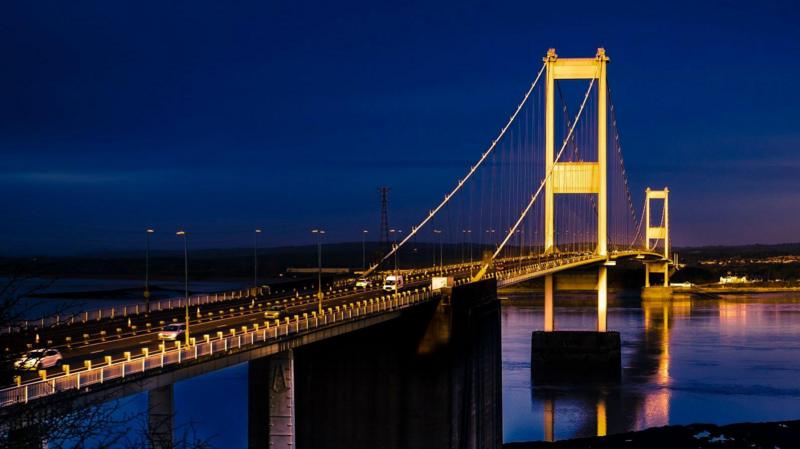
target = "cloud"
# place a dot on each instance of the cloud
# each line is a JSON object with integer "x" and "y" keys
{"x": 71, "y": 178}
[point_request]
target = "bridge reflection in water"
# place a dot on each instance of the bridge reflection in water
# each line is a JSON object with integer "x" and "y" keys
{"x": 431, "y": 379}
{"x": 604, "y": 407}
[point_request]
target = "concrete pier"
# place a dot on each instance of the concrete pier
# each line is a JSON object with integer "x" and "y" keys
{"x": 575, "y": 353}
{"x": 271, "y": 404}
{"x": 657, "y": 292}
{"x": 159, "y": 416}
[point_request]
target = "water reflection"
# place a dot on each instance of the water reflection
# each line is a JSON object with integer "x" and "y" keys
{"x": 720, "y": 360}
{"x": 596, "y": 406}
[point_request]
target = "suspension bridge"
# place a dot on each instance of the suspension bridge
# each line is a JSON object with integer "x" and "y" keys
{"x": 549, "y": 194}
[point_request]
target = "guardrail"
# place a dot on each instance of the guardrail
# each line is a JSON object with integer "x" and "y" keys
{"x": 557, "y": 262}
{"x": 200, "y": 300}
{"x": 194, "y": 300}
{"x": 209, "y": 346}
{"x": 131, "y": 309}
{"x": 553, "y": 263}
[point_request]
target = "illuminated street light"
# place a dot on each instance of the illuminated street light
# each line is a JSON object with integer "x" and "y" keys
{"x": 147, "y": 270}
{"x": 255, "y": 259}
{"x": 320, "y": 233}
{"x": 185, "y": 279}
{"x": 441, "y": 252}
{"x": 364, "y": 249}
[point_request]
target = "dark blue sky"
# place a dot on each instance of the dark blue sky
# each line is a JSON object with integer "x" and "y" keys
{"x": 220, "y": 117}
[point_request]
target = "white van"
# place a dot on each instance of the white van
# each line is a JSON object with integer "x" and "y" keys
{"x": 392, "y": 283}
{"x": 438, "y": 283}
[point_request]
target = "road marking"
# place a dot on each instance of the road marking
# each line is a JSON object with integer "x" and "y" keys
{"x": 95, "y": 352}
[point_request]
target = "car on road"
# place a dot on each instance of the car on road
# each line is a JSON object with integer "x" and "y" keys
{"x": 38, "y": 359}
{"x": 393, "y": 283}
{"x": 363, "y": 283}
{"x": 272, "y": 314}
{"x": 172, "y": 331}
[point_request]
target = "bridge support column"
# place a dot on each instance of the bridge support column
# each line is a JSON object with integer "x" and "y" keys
{"x": 660, "y": 292}
{"x": 602, "y": 298}
{"x": 657, "y": 233}
{"x": 549, "y": 309}
{"x": 271, "y": 402}
{"x": 159, "y": 416}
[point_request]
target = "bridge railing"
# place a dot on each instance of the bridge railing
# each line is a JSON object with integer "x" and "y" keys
{"x": 543, "y": 265}
{"x": 197, "y": 300}
{"x": 134, "y": 309}
{"x": 208, "y": 346}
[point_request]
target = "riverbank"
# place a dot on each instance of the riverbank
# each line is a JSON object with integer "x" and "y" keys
{"x": 772, "y": 435}
{"x": 699, "y": 291}
{"x": 735, "y": 290}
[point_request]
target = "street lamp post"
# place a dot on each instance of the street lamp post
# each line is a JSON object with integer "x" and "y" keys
{"x": 433, "y": 250}
{"x": 441, "y": 258}
{"x": 320, "y": 233}
{"x": 147, "y": 270}
{"x": 462, "y": 246}
{"x": 469, "y": 242}
{"x": 185, "y": 280}
{"x": 255, "y": 260}
{"x": 364, "y": 249}
{"x": 464, "y": 243}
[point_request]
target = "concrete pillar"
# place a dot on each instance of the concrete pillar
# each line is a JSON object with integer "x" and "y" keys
{"x": 159, "y": 416}
{"x": 602, "y": 141}
{"x": 549, "y": 310}
{"x": 666, "y": 223}
{"x": 666, "y": 274}
{"x": 647, "y": 275}
{"x": 271, "y": 402}
{"x": 549, "y": 151}
{"x": 549, "y": 419}
{"x": 602, "y": 298}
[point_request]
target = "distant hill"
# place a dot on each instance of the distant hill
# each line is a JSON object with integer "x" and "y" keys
{"x": 237, "y": 263}
{"x": 233, "y": 263}
{"x": 751, "y": 250}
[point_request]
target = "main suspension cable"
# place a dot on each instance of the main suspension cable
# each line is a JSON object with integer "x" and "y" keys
{"x": 542, "y": 184}
{"x": 461, "y": 182}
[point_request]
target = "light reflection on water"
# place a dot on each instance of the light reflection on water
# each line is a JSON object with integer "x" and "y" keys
{"x": 724, "y": 360}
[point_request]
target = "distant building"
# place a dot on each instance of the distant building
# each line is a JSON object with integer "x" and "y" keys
{"x": 734, "y": 280}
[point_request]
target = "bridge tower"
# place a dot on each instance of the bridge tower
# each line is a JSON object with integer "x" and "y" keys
{"x": 576, "y": 177}
{"x": 655, "y": 233}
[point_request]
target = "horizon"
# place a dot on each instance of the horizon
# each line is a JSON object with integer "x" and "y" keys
{"x": 128, "y": 253}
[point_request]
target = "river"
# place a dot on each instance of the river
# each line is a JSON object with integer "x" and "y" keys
{"x": 731, "y": 359}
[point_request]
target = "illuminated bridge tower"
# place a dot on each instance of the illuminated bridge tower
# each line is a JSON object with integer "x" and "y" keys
{"x": 576, "y": 177}
{"x": 654, "y": 235}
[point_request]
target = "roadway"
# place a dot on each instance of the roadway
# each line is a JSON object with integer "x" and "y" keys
{"x": 212, "y": 318}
